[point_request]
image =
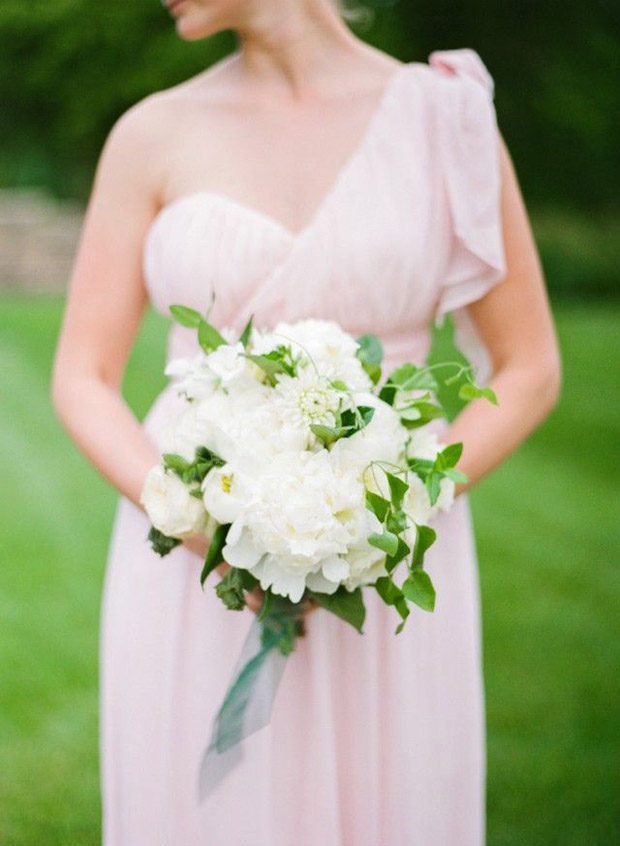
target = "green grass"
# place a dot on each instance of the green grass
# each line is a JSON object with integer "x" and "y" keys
{"x": 548, "y": 541}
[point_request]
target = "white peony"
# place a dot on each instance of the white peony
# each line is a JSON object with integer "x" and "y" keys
{"x": 300, "y": 522}
{"x": 170, "y": 506}
{"x": 331, "y": 351}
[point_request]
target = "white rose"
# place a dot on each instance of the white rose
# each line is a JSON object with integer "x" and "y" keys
{"x": 170, "y": 506}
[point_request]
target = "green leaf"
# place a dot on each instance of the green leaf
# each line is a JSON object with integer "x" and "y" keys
{"x": 402, "y": 608}
{"x": 370, "y": 354}
{"x": 370, "y": 349}
{"x": 425, "y": 538}
{"x": 409, "y": 413}
{"x": 377, "y": 504}
{"x": 270, "y": 366}
{"x": 267, "y": 603}
{"x": 420, "y": 466}
{"x": 366, "y": 412}
{"x": 418, "y": 588}
{"x": 214, "y": 553}
{"x": 188, "y": 317}
{"x": 161, "y": 544}
{"x": 433, "y": 486}
{"x": 348, "y": 605}
{"x": 208, "y": 337}
{"x": 398, "y": 489}
{"x": 396, "y": 521}
{"x": 388, "y": 393}
{"x": 330, "y": 434}
{"x": 230, "y": 589}
{"x": 386, "y": 541}
{"x": 339, "y": 385}
{"x": 393, "y": 560}
{"x": 456, "y": 475}
{"x": 389, "y": 592}
{"x": 247, "y": 332}
{"x": 449, "y": 457}
{"x": 428, "y": 411}
{"x": 408, "y": 377}
{"x": 469, "y": 391}
{"x": 176, "y": 463}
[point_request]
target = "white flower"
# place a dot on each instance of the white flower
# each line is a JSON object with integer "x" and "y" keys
{"x": 193, "y": 377}
{"x": 224, "y": 494}
{"x": 299, "y": 521}
{"x": 424, "y": 444}
{"x": 417, "y": 503}
{"x": 305, "y": 399}
{"x": 263, "y": 342}
{"x": 320, "y": 339}
{"x": 382, "y": 439}
{"x": 366, "y": 565}
{"x": 170, "y": 506}
{"x": 201, "y": 423}
{"x": 227, "y": 362}
{"x": 331, "y": 350}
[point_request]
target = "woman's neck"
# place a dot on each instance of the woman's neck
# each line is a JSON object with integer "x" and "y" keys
{"x": 294, "y": 44}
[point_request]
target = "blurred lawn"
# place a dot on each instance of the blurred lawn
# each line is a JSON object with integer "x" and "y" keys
{"x": 548, "y": 541}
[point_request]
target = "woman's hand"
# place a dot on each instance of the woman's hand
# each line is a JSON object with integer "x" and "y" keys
{"x": 254, "y": 599}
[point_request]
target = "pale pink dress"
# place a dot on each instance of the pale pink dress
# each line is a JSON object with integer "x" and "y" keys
{"x": 376, "y": 739}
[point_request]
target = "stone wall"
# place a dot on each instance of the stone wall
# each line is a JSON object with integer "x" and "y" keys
{"x": 38, "y": 240}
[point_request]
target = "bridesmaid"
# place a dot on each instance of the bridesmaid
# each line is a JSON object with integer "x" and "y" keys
{"x": 230, "y": 174}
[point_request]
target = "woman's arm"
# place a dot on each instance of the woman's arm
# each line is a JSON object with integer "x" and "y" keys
{"x": 515, "y": 324}
{"x": 106, "y": 303}
{"x": 105, "y": 307}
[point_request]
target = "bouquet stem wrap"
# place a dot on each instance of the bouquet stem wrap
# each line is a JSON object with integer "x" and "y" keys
{"x": 248, "y": 703}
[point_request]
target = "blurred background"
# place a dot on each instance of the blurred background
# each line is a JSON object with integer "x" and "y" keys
{"x": 547, "y": 521}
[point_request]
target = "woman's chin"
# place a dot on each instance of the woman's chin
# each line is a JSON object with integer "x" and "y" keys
{"x": 192, "y": 30}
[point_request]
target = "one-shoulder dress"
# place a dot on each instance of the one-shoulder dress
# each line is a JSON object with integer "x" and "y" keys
{"x": 376, "y": 739}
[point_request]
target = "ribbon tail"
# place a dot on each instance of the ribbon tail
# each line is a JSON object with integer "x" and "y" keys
{"x": 248, "y": 703}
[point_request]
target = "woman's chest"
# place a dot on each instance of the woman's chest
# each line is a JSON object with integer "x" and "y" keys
{"x": 369, "y": 254}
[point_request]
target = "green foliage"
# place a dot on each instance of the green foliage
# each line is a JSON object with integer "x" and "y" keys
{"x": 247, "y": 332}
{"x": 214, "y": 553}
{"x": 276, "y": 361}
{"x": 231, "y": 586}
{"x": 370, "y": 353}
{"x": 160, "y": 543}
{"x": 192, "y": 471}
{"x": 348, "y": 605}
{"x": 419, "y": 589}
{"x": 349, "y": 422}
{"x": 208, "y": 337}
{"x": 187, "y": 317}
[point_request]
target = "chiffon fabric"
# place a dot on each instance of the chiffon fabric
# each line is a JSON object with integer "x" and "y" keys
{"x": 376, "y": 739}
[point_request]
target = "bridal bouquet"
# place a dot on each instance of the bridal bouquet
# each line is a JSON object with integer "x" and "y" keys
{"x": 311, "y": 476}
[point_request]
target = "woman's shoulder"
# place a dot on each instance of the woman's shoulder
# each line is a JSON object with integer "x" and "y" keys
{"x": 164, "y": 110}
